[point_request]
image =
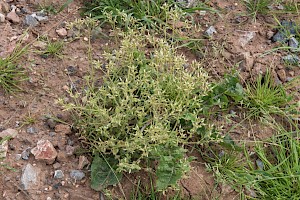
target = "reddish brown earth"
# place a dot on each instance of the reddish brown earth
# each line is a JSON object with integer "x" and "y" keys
{"x": 49, "y": 81}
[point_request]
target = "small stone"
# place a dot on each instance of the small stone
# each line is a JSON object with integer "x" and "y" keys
{"x": 77, "y": 175}
{"x": 40, "y": 45}
{"x": 282, "y": 75}
{"x": 289, "y": 59}
{"x": 39, "y": 17}
{"x": 70, "y": 150}
{"x": 56, "y": 165}
{"x": 291, "y": 73}
{"x": 58, "y": 174}
{"x": 4, "y": 7}
{"x": 245, "y": 37}
{"x": 62, "y": 32}
{"x": 277, "y": 80}
{"x": 83, "y": 161}
{"x": 287, "y": 28}
{"x": 246, "y": 61}
{"x": 29, "y": 178}
{"x": 12, "y": 133}
{"x": 18, "y": 156}
{"x": 30, "y": 21}
{"x": 71, "y": 70}
{"x": 259, "y": 164}
{"x": 11, "y": 147}
{"x": 62, "y": 156}
{"x": 24, "y": 10}
{"x": 293, "y": 43}
{"x": 70, "y": 142}
{"x": 44, "y": 151}
{"x": 31, "y": 130}
{"x": 240, "y": 19}
{"x": 270, "y": 35}
{"x": 52, "y": 134}
{"x": 57, "y": 186}
{"x": 279, "y": 37}
{"x": 51, "y": 123}
{"x": 210, "y": 31}
{"x": 63, "y": 129}
{"x": 3, "y": 149}
{"x": 25, "y": 154}
{"x": 12, "y": 16}
{"x": 280, "y": 7}
{"x": 2, "y": 18}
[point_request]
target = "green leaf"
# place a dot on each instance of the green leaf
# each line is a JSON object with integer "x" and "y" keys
{"x": 103, "y": 173}
{"x": 172, "y": 166}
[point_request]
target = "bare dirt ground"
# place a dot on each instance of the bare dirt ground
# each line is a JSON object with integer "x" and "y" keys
{"x": 49, "y": 80}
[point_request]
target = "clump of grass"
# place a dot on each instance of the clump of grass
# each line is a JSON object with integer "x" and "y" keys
{"x": 166, "y": 18}
{"x": 264, "y": 97}
{"x": 11, "y": 74}
{"x": 272, "y": 172}
{"x": 149, "y": 13}
{"x": 147, "y": 108}
{"x": 256, "y": 7}
{"x": 51, "y": 8}
{"x": 291, "y": 6}
{"x": 28, "y": 119}
{"x": 261, "y": 97}
{"x": 53, "y": 49}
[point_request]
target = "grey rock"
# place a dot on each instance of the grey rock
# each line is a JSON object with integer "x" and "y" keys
{"x": 41, "y": 13}
{"x": 58, "y": 174}
{"x": 71, "y": 70}
{"x": 293, "y": 43}
{"x": 259, "y": 164}
{"x": 291, "y": 59}
{"x": 287, "y": 28}
{"x": 24, "y": 10}
{"x": 77, "y": 175}
{"x": 39, "y": 17}
{"x": 25, "y": 154}
{"x": 210, "y": 31}
{"x": 30, "y": 21}
{"x": 29, "y": 178}
{"x": 52, "y": 134}
{"x": 31, "y": 130}
{"x": 279, "y": 37}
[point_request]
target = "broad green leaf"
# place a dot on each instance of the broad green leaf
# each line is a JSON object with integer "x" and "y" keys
{"x": 103, "y": 173}
{"x": 172, "y": 166}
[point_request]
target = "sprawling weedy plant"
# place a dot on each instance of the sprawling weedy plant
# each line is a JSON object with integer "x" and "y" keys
{"x": 146, "y": 108}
